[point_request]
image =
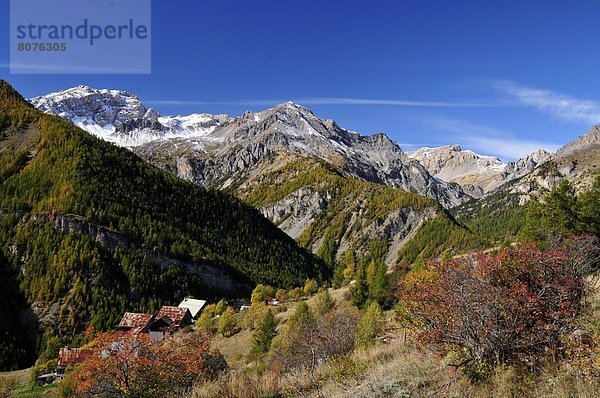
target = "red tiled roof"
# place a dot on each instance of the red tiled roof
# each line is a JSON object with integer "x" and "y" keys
{"x": 176, "y": 314}
{"x": 134, "y": 321}
{"x": 73, "y": 356}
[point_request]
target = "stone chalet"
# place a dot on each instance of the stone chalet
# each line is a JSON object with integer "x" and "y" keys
{"x": 71, "y": 357}
{"x": 180, "y": 317}
{"x": 135, "y": 323}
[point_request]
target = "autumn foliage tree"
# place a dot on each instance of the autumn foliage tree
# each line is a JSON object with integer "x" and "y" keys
{"x": 129, "y": 365}
{"x": 310, "y": 339}
{"x": 227, "y": 322}
{"x": 508, "y": 307}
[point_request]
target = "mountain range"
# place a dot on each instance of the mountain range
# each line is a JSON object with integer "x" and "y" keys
{"x": 477, "y": 174}
{"x": 219, "y": 150}
{"x": 320, "y": 183}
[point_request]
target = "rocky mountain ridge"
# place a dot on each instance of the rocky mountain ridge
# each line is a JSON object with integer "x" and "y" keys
{"x": 477, "y": 174}
{"x": 218, "y": 150}
{"x": 577, "y": 161}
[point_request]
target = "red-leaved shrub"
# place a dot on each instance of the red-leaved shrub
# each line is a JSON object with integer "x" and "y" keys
{"x": 509, "y": 307}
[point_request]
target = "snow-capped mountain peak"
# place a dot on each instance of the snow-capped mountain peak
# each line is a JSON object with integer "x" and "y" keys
{"x": 84, "y": 100}
{"x": 121, "y": 117}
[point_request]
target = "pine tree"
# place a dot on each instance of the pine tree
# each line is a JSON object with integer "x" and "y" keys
{"x": 323, "y": 302}
{"x": 380, "y": 284}
{"x": 590, "y": 209}
{"x": 259, "y": 294}
{"x": 350, "y": 266}
{"x": 560, "y": 215}
{"x": 370, "y": 325}
{"x": 310, "y": 287}
{"x": 359, "y": 291}
{"x": 205, "y": 322}
{"x": 295, "y": 293}
{"x": 301, "y": 314}
{"x": 220, "y": 307}
{"x": 280, "y": 295}
{"x": 338, "y": 277}
{"x": 253, "y": 315}
{"x": 263, "y": 336}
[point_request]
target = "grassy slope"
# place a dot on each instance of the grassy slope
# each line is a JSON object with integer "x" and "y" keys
{"x": 394, "y": 369}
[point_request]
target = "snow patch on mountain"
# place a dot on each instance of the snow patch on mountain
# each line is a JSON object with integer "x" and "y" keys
{"x": 121, "y": 117}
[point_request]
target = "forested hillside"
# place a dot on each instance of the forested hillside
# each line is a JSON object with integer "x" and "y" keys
{"x": 511, "y": 213}
{"x": 497, "y": 218}
{"x": 89, "y": 230}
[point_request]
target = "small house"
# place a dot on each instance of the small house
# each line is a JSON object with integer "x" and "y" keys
{"x": 135, "y": 323}
{"x": 193, "y": 305}
{"x": 159, "y": 327}
{"x": 71, "y": 357}
{"x": 180, "y": 316}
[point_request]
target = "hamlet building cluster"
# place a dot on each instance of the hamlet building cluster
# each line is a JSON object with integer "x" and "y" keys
{"x": 167, "y": 321}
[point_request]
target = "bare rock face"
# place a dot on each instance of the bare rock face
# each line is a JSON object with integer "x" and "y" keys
{"x": 585, "y": 142}
{"x": 453, "y": 164}
{"x": 526, "y": 164}
{"x": 308, "y": 210}
{"x": 477, "y": 174}
{"x": 219, "y": 151}
{"x": 295, "y": 212}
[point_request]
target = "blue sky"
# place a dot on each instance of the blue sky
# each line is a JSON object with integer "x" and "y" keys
{"x": 498, "y": 77}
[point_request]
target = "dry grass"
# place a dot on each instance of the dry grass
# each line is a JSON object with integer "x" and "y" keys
{"x": 239, "y": 384}
{"x": 13, "y": 381}
{"x": 394, "y": 369}
{"x": 234, "y": 348}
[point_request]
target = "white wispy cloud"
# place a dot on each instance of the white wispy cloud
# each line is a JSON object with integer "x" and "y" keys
{"x": 36, "y": 68}
{"x": 334, "y": 101}
{"x": 488, "y": 140}
{"x": 560, "y": 105}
